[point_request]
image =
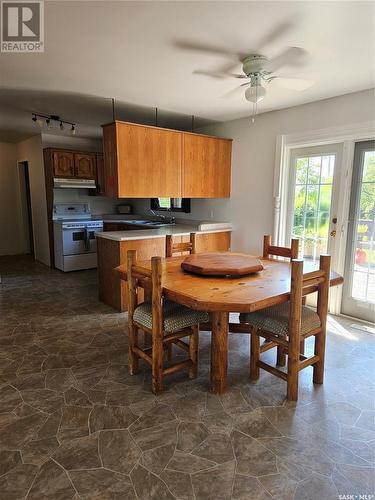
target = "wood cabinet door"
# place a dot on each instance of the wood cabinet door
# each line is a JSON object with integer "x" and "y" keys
{"x": 63, "y": 164}
{"x": 206, "y": 167}
{"x": 84, "y": 165}
{"x": 149, "y": 162}
{"x": 100, "y": 176}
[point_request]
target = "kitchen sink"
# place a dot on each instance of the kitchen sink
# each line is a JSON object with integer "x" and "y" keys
{"x": 150, "y": 223}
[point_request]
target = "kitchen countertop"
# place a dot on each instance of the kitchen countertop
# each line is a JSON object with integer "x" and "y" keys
{"x": 176, "y": 230}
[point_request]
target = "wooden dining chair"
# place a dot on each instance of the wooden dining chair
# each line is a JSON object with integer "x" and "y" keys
{"x": 172, "y": 248}
{"x": 270, "y": 251}
{"x": 164, "y": 321}
{"x": 287, "y": 324}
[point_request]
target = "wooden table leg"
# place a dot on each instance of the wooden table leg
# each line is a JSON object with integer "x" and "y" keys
{"x": 219, "y": 352}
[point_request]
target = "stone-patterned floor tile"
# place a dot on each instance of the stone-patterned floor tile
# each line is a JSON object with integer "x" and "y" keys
{"x": 156, "y": 460}
{"x": 10, "y": 398}
{"x": 255, "y": 424}
{"x": 315, "y": 487}
{"x": 159, "y": 414}
{"x": 44, "y": 400}
{"x": 16, "y": 483}
{"x": 8, "y": 460}
{"x": 70, "y": 372}
{"x": 80, "y": 453}
{"x": 190, "y": 435}
{"x": 206, "y": 485}
{"x": 51, "y": 482}
{"x": 366, "y": 420}
{"x": 110, "y": 417}
{"x": 357, "y": 480}
{"x": 75, "y": 397}
{"x": 301, "y": 453}
{"x": 280, "y": 486}
{"x": 149, "y": 486}
{"x": 179, "y": 484}
{"x": 217, "y": 448}
{"x": 118, "y": 451}
{"x": 16, "y": 433}
{"x": 60, "y": 379}
{"x": 159, "y": 435}
{"x": 252, "y": 457}
{"x": 245, "y": 487}
{"x": 38, "y": 451}
{"x": 184, "y": 462}
{"x": 97, "y": 483}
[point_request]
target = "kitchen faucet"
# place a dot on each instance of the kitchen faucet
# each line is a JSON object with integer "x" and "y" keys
{"x": 167, "y": 220}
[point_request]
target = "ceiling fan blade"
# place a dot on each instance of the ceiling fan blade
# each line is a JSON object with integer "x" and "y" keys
{"x": 217, "y": 74}
{"x": 235, "y": 91}
{"x": 210, "y": 49}
{"x": 298, "y": 84}
{"x": 291, "y": 56}
{"x": 275, "y": 34}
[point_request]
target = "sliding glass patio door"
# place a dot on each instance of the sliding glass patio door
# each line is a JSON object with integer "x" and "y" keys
{"x": 358, "y": 298}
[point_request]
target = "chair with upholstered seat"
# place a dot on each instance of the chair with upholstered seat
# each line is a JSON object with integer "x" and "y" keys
{"x": 285, "y": 325}
{"x": 164, "y": 321}
{"x": 270, "y": 251}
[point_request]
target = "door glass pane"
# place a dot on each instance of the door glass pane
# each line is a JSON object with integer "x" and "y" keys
{"x": 363, "y": 286}
{"x": 312, "y": 204}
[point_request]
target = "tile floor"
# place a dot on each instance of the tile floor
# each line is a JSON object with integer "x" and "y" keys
{"x": 74, "y": 424}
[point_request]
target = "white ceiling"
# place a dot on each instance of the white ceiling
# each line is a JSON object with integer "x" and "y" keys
{"x": 128, "y": 50}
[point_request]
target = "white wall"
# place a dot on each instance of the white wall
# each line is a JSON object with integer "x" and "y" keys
{"x": 30, "y": 150}
{"x": 11, "y": 234}
{"x": 253, "y": 161}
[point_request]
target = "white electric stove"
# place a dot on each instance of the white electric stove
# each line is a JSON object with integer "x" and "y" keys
{"x": 74, "y": 235}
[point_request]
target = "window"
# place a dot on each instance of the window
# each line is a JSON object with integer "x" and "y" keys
{"x": 171, "y": 204}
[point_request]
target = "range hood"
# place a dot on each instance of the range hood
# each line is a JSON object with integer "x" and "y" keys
{"x": 59, "y": 182}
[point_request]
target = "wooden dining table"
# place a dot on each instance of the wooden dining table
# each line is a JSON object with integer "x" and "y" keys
{"x": 222, "y": 295}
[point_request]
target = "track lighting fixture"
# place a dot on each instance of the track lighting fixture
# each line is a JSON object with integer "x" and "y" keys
{"x": 49, "y": 119}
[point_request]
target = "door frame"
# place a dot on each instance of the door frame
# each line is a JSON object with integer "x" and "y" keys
{"x": 285, "y": 144}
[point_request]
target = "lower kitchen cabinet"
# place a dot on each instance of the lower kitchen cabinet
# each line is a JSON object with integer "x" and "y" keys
{"x": 112, "y": 253}
{"x": 112, "y": 290}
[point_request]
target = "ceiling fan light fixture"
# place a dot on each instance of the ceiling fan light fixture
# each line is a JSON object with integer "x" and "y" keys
{"x": 255, "y": 93}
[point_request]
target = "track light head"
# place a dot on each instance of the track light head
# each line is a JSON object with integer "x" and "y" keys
{"x": 73, "y": 130}
{"x": 61, "y": 126}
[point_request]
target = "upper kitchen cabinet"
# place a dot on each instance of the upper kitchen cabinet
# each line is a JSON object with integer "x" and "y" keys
{"x": 149, "y": 162}
{"x": 141, "y": 161}
{"x": 63, "y": 163}
{"x": 84, "y": 165}
{"x": 206, "y": 166}
{"x": 71, "y": 164}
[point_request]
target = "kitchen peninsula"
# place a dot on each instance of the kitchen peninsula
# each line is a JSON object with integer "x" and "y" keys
{"x": 112, "y": 247}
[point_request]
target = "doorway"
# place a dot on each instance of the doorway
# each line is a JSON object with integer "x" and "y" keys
{"x": 313, "y": 198}
{"x": 25, "y": 203}
{"x": 358, "y": 298}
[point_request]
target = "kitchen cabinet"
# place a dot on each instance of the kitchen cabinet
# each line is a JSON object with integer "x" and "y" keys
{"x": 149, "y": 162}
{"x": 84, "y": 165}
{"x": 112, "y": 253}
{"x": 63, "y": 164}
{"x": 141, "y": 161}
{"x": 206, "y": 166}
{"x": 72, "y": 164}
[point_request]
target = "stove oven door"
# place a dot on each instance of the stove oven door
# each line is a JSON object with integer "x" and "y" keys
{"x": 78, "y": 241}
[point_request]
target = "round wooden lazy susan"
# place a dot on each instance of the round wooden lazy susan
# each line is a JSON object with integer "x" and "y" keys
{"x": 221, "y": 264}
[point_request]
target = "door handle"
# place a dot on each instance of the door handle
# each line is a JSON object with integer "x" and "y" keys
{"x": 87, "y": 240}
{"x": 333, "y": 233}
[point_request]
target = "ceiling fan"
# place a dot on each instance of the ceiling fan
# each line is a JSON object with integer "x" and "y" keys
{"x": 257, "y": 69}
